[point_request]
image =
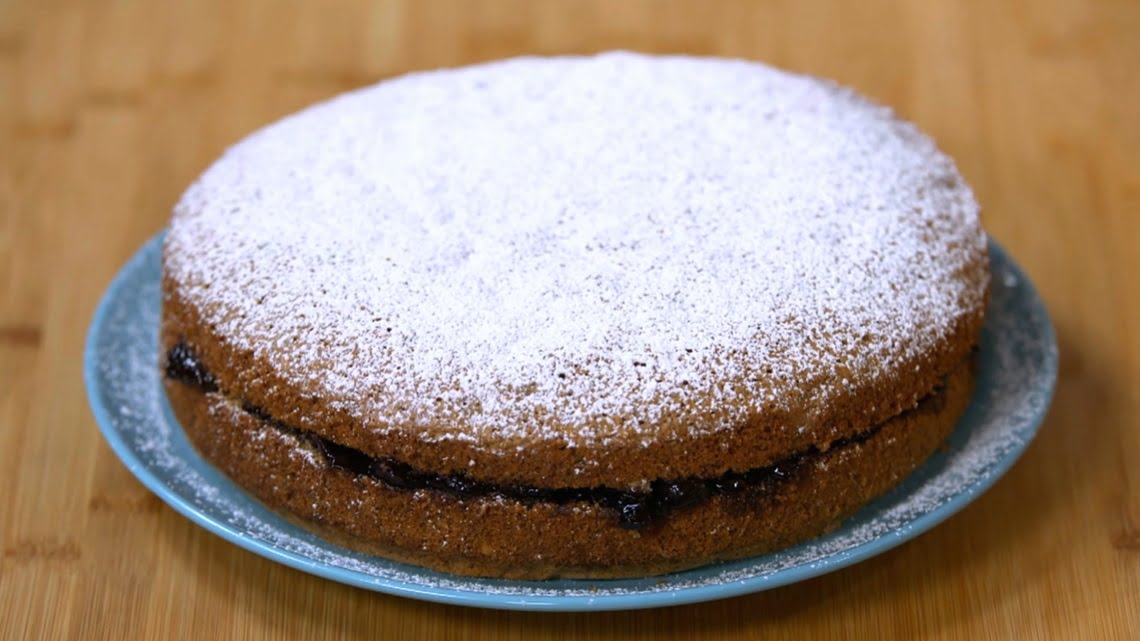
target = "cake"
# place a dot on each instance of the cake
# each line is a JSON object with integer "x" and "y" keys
{"x": 600, "y": 316}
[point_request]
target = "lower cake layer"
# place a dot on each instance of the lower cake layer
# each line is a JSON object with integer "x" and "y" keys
{"x": 498, "y": 534}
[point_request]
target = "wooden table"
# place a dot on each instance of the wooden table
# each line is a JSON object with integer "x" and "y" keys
{"x": 108, "y": 109}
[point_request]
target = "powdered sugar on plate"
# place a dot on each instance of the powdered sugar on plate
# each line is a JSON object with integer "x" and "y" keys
{"x": 1017, "y": 371}
{"x": 572, "y": 248}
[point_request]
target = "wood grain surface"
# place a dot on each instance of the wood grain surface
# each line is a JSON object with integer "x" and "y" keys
{"x": 108, "y": 109}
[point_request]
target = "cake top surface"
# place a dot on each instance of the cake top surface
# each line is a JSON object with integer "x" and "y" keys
{"x": 582, "y": 249}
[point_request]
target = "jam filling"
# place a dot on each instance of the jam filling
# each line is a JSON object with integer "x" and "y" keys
{"x": 183, "y": 365}
{"x": 634, "y": 510}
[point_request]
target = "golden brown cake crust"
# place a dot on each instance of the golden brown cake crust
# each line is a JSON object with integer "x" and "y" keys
{"x": 754, "y": 444}
{"x": 495, "y": 536}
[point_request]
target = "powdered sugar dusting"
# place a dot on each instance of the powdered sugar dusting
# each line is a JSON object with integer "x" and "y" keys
{"x": 572, "y": 248}
{"x": 1017, "y": 372}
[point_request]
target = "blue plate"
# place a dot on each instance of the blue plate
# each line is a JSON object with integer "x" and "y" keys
{"x": 1017, "y": 375}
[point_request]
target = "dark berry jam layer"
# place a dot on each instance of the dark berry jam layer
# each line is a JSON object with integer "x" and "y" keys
{"x": 183, "y": 365}
{"x": 633, "y": 509}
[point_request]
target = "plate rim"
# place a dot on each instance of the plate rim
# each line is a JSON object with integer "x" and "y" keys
{"x": 564, "y": 602}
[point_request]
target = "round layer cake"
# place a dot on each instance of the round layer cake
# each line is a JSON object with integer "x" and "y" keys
{"x": 603, "y": 316}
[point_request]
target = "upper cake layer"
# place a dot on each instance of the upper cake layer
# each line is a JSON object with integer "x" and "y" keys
{"x": 588, "y": 255}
